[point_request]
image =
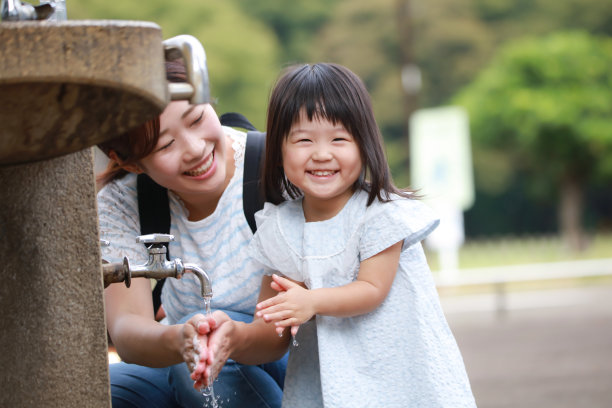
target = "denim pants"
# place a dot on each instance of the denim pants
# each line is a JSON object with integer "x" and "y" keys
{"x": 237, "y": 385}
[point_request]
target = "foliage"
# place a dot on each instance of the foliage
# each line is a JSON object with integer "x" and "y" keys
{"x": 455, "y": 39}
{"x": 242, "y": 53}
{"x": 547, "y": 104}
{"x": 294, "y": 25}
{"x": 542, "y": 111}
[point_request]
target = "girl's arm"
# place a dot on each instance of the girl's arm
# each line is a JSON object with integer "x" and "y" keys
{"x": 296, "y": 305}
{"x": 247, "y": 343}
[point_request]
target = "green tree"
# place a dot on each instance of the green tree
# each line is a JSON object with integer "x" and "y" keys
{"x": 295, "y": 24}
{"x": 544, "y": 107}
{"x": 242, "y": 53}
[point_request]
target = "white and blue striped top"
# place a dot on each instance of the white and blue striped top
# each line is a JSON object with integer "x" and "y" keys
{"x": 217, "y": 243}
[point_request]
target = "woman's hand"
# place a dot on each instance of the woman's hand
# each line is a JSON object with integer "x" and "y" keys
{"x": 214, "y": 348}
{"x": 194, "y": 350}
{"x": 292, "y": 306}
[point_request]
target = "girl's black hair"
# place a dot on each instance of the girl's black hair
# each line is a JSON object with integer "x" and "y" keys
{"x": 334, "y": 93}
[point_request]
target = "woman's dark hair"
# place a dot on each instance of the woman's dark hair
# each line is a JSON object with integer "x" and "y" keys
{"x": 139, "y": 142}
{"x": 333, "y": 93}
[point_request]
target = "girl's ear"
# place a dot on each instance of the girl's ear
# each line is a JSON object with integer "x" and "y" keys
{"x": 129, "y": 167}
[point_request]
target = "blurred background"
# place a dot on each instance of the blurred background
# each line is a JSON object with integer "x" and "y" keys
{"x": 529, "y": 284}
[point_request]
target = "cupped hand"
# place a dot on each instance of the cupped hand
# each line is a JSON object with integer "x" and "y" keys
{"x": 218, "y": 349}
{"x": 194, "y": 350}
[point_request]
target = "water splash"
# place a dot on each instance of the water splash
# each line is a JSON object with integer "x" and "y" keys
{"x": 209, "y": 392}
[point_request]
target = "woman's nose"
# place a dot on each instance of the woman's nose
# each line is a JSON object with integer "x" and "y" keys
{"x": 194, "y": 147}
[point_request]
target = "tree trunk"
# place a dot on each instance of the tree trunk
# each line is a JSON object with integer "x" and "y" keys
{"x": 570, "y": 214}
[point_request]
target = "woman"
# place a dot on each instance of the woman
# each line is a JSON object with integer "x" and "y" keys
{"x": 187, "y": 150}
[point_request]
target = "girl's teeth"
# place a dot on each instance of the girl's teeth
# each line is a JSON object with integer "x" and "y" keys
{"x": 322, "y": 173}
{"x": 202, "y": 169}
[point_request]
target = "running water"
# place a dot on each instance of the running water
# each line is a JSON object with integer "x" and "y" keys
{"x": 208, "y": 392}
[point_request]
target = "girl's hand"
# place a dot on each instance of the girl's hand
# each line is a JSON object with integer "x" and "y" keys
{"x": 292, "y": 306}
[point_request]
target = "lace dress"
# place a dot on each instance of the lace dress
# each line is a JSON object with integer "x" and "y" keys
{"x": 402, "y": 354}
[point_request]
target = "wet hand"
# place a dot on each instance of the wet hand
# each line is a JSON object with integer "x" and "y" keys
{"x": 217, "y": 351}
{"x": 292, "y": 306}
{"x": 194, "y": 351}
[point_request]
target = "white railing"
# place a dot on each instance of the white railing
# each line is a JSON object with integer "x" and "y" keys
{"x": 500, "y": 276}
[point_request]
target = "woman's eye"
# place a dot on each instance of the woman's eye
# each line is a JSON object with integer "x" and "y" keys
{"x": 167, "y": 145}
{"x": 198, "y": 120}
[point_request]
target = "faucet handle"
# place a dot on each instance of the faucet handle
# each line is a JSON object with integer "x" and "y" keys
{"x": 154, "y": 238}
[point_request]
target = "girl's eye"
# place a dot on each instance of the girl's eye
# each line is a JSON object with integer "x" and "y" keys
{"x": 198, "y": 120}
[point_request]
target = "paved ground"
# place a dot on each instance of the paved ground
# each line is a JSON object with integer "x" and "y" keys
{"x": 553, "y": 348}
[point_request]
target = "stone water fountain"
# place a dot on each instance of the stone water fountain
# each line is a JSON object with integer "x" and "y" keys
{"x": 64, "y": 87}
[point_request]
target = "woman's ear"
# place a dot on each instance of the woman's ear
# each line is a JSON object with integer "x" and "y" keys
{"x": 129, "y": 167}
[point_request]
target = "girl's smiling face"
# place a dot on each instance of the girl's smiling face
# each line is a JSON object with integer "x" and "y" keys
{"x": 190, "y": 155}
{"x": 323, "y": 161}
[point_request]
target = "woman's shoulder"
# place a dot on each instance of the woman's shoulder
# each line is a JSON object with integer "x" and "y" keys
{"x": 238, "y": 139}
{"x": 119, "y": 190}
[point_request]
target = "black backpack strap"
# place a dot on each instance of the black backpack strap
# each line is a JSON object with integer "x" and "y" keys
{"x": 252, "y": 195}
{"x": 154, "y": 213}
{"x": 235, "y": 119}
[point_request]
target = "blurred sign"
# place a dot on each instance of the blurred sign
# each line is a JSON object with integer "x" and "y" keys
{"x": 440, "y": 156}
{"x": 441, "y": 172}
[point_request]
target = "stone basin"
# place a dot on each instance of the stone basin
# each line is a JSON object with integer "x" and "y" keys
{"x": 68, "y": 85}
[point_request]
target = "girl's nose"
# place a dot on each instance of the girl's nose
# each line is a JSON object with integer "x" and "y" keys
{"x": 321, "y": 153}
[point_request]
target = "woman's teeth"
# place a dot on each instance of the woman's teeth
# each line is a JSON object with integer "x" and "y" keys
{"x": 198, "y": 171}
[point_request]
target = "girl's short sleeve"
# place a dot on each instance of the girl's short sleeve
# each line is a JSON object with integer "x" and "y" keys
{"x": 269, "y": 246}
{"x": 401, "y": 219}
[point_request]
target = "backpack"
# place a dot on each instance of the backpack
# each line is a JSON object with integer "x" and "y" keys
{"x": 154, "y": 208}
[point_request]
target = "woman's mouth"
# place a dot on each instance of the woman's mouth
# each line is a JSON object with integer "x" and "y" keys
{"x": 202, "y": 168}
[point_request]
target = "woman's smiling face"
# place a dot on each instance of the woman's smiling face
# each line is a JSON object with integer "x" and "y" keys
{"x": 189, "y": 157}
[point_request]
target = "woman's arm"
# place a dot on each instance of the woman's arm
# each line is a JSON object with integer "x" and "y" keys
{"x": 136, "y": 335}
{"x": 297, "y": 305}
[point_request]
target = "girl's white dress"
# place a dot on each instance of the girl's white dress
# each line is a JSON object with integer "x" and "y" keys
{"x": 402, "y": 354}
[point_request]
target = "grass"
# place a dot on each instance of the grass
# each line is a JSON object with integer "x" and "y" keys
{"x": 524, "y": 250}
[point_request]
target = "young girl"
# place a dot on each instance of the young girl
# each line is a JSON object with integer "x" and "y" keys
{"x": 356, "y": 281}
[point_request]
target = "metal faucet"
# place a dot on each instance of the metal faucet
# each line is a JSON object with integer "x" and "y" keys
{"x": 16, "y": 10}
{"x": 156, "y": 267}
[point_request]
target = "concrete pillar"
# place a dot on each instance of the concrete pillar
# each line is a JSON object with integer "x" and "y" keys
{"x": 53, "y": 348}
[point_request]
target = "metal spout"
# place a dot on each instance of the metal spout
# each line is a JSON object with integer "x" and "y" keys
{"x": 203, "y": 277}
{"x": 156, "y": 267}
